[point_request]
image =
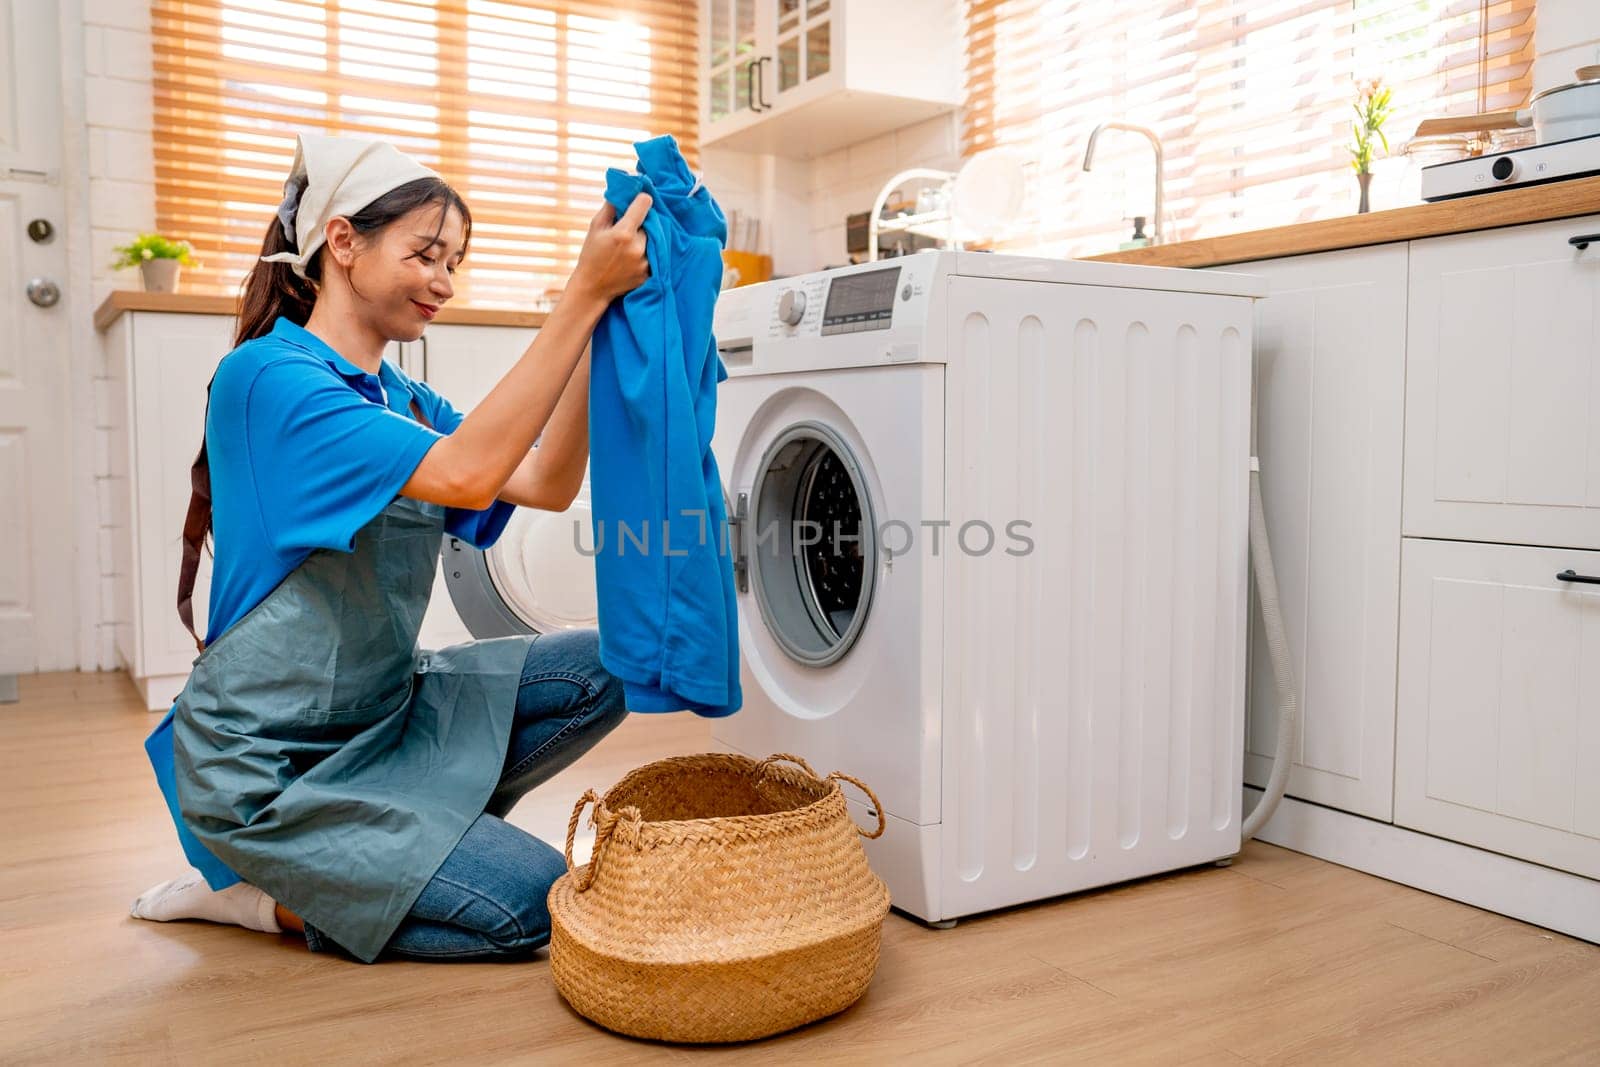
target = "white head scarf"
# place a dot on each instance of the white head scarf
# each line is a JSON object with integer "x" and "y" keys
{"x": 346, "y": 174}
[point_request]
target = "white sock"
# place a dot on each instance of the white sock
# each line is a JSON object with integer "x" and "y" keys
{"x": 189, "y": 897}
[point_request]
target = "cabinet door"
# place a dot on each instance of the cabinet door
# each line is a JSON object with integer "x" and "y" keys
{"x": 1499, "y": 700}
{"x": 1503, "y": 387}
{"x": 1329, "y": 379}
{"x": 803, "y": 45}
{"x": 463, "y": 363}
{"x": 732, "y": 46}
{"x": 171, "y": 362}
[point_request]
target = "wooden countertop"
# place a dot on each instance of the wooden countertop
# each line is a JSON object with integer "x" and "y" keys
{"x": 1484, "y": 211}
{"x": 199, "y": 304}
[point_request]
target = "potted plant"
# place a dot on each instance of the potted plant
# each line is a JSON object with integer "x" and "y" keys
{"x": 158, "y": 259}
{"x": 1372, "y": 110}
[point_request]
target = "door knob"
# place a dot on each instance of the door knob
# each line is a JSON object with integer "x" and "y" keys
{"x": 44, "y": 292}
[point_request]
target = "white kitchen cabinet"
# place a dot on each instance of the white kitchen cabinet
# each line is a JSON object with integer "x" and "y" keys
{"x": 1499, "y": 700}
{"x": 804, "y": 77}
{"x": 1503, "y": 387}
{"x": 160, "y": 364}
{"x": 463, "y": 363}
{"x": 1329, "y": 380}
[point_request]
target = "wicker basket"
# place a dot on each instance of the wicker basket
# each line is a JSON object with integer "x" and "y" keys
{"x": 727, "y": 899}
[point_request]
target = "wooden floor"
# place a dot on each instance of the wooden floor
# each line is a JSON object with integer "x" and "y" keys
{"x": 1281, "y": 958}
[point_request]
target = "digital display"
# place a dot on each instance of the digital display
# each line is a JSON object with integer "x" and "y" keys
{"x": 861, "y": 301}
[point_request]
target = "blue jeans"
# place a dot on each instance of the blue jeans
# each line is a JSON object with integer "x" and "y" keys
{"x": 487, "y": 900}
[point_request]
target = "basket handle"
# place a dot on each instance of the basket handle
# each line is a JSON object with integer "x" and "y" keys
{"x": 836, "y": 776}
{"x": 784, "y": 757}
{"x": 839, "y": 776}
{"x": 602, "y": 835}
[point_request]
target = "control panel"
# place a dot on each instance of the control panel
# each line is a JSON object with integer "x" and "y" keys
{"x": 850, "y": 300}
{"x": 861, "y": 302}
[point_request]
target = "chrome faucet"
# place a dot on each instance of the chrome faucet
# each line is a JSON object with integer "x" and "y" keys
{"x": 1155, "y": 142}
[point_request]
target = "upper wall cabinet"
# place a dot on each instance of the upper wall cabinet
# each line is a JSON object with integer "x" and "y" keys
{"x": 1503, "y": 386}
{"x": 804, "y": 77}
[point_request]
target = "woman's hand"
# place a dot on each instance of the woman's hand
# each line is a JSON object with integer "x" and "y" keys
{"x": 613, "y": 261}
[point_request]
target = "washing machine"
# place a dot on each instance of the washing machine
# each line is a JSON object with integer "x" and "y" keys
{"x": 989, "y": 520}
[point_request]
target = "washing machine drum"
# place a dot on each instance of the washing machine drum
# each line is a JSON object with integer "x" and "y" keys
{"x": 537, "y": 578}
{"x": 813, "y": 549}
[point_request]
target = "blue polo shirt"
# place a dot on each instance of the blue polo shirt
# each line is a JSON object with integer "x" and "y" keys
{"x": 305, "y": 449}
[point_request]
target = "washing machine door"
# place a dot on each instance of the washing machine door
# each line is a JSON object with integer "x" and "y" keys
{"x": 839, "y": 614}
{"x": 813, "y": 549}
{"x": 538, "y": 578}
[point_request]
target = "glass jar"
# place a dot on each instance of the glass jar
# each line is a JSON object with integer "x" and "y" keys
{"x": 1510, "y": 140}
{"x": 1442, "y": 148}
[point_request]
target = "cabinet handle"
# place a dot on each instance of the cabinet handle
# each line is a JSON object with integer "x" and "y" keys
{"x": 761, "y": 82}
{"x": 1582, "y": 241}
{"x": 750, "y": 83}
{"x": 1570, "y": 575}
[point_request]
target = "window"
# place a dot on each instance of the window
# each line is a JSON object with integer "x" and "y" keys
{"x": 1252, "y": 100}
{"x": 521, "y": 106}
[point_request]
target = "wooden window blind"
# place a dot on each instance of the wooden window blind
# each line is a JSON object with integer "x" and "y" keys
{"x": 1252, "y": 100}
{"x": 519, "y": 105}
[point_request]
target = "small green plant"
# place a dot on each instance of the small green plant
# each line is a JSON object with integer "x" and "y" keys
{"x": 148, "y": 246}
{"x": 1372, "y": 111}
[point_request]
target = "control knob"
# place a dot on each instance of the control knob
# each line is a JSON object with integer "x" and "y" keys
{"x": 791, "y": 307}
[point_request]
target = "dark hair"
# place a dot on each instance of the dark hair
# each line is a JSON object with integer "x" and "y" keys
{"x": 273, "y": 289}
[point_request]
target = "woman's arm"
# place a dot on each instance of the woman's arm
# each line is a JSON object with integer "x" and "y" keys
{"x": 552, "y": 474}
{"x": 471, "y": 466}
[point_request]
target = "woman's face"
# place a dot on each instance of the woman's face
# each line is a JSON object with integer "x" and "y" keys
{"x": 406, "y": 272}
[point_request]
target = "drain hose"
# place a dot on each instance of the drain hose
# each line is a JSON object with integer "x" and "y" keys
{"x": 1278, "y": 651}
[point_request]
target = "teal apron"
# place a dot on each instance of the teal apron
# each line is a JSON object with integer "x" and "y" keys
{"x": 324, "y": 758}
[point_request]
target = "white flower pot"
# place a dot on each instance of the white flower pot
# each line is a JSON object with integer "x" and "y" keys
{"x": 160, "y": 275}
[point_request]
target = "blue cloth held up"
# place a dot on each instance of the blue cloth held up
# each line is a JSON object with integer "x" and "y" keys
{"x": 663, "y": 572}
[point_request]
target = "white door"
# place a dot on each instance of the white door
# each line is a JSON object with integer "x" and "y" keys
{"x": 1330, "y": 373}
{"x": 1503, "y": 387}
{"x": 1498, "y": 728}
{"x": 37, "y": 591}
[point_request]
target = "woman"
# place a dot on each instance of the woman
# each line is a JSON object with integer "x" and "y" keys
{"x": 324, "y": 775}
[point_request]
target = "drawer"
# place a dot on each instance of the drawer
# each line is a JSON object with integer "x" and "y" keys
{"x": 1498, "y": 710}
{"x": 1503, "y": 387}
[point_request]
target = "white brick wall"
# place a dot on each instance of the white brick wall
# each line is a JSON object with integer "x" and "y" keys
{"x": 845, "y": 182}
{"x": 121, "y": 203}
{"x": 122, "y": 193}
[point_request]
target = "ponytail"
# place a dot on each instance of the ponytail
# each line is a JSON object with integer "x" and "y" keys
{"x": 273, "y": 289}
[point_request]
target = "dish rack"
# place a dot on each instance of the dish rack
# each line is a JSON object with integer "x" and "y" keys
{"x": 938, "y": 223}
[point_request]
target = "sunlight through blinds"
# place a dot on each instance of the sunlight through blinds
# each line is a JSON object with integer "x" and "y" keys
{"x": 520, "y": 106}
{"x": 1252, "y": 100}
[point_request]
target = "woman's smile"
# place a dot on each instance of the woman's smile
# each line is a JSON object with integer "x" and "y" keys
{"x": 428, "y": 310}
